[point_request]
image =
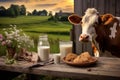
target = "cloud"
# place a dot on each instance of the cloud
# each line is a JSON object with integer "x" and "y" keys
{"x": 57, "y": 9}
{"x": 46, "y": 5}
{"x": 42, "y": 0}
{"x": 50, "y": 5}
{"x": 67, "y": 8}
{"x": 63, "y": 1}
{"x": 11, "y": 0}
{"x": 14, "y": 0}
{"x": 23, "y": 0}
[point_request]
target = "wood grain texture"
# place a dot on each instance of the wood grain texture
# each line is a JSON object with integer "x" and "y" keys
{"x": 105, "y": 69}
{"x": 103, "y": 6}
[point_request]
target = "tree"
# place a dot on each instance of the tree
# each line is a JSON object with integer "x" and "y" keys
{"x": 39, "y": 13}
{"x": 22, "y": 10}
{"x": 44, "y": 12}
{"x": 50, "y": 13}
{"x": 11, "y": 12}
{"x": 2, "y": 11}
{"x": 34, "y": 12}
{"x": 29, "y": 13}
{"x": 16, "y": 9}
{"x": 64, "y": 18}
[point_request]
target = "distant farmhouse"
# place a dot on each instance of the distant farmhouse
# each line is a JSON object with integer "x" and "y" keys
{"x": 61, "y": 14}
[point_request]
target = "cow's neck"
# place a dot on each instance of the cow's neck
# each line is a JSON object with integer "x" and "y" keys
{"x": 108, "y": 38}
{"x": 100, "y": 39}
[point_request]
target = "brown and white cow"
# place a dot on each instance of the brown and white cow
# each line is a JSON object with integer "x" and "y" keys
{"x": 102, "y": 30}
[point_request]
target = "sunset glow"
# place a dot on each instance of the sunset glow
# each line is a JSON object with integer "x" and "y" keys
{"x": 49, "y": 5}
{"x": 71, "y": 1}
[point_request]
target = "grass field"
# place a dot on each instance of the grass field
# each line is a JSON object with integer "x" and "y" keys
{"x": 37, "y": 25}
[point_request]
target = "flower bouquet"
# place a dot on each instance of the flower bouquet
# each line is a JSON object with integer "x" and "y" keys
{"x": 14, "y": 40}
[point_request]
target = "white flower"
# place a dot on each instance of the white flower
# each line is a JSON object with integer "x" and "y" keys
{"x": 4, "y": 29}
{"x": 9, "y": 36}
{"x": 17, "y": 38}
{"x": 10, "y": 28}
{"x": 11, "y": 25}
{"x": 8, "y": 41}
{"x": 19, "y": 46}
{"x": 15, "y": 26}
{"x": 6, "y": 33}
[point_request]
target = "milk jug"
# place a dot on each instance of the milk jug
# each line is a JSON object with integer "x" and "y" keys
{"x": 43, "y": 48}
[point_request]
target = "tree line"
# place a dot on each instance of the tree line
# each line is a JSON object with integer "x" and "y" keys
{"x": 38, "y": 13}
{"x": 13, "y": 10}
{"x": 16, "y": 10}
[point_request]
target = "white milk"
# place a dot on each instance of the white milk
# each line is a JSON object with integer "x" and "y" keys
{"x": 65, "y": 49}
{"x": 43, "y": 52}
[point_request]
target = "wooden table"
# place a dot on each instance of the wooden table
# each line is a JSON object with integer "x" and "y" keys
{"x": 105, "y": 69}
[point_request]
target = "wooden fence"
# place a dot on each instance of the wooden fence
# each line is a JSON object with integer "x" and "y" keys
{"x": 80, "y": 6}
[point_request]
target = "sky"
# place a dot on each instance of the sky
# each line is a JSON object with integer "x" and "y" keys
{"x": 49, "y": 5}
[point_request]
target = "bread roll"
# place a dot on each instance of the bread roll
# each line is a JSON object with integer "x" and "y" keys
{"x": 70, "y": 56}
{"x": 82, "y": 58}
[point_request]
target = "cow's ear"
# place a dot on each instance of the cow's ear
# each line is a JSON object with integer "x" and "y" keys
{"x": 107, "y": 19}
{"x": 74, "y": 19}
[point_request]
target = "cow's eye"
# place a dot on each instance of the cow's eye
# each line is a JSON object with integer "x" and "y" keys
{"x": 95, "y": 24}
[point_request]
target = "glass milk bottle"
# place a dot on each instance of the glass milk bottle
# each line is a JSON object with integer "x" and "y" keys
{"x": 43, "y": 48}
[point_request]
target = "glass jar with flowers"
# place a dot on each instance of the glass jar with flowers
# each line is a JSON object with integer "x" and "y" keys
{"x": 14, "y": 40}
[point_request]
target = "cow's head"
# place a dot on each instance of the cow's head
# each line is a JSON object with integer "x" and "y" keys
{"x": 89, "y": 22}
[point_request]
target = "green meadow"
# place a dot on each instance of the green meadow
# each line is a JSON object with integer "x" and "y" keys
{"x": 34, "y": 26}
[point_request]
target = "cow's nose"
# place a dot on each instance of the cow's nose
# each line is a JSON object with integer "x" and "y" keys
{"x": 84, "y": 37}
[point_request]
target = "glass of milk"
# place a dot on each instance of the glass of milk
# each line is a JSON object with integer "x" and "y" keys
{"x": 43, "y": 48}
{"x": 56, "y": 58}
{"x": 65, "y": 48}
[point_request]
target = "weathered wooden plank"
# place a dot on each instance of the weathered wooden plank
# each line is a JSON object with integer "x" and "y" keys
{"x": 73, "y": 71}
{"x": 107, "y": 6}
{"x": 85, "y": 6}
{"x": 112, "y": 6}
{"x": 101, "y": 6}
{"x": 117, "y": 13}
{"x": 78, "y": 47}
{"x": 72, "y": 33}
{"x": 77, "y": 29}
{"x": 80, "y": 75}
{"x": 78, "y": 7}
{"x": 104, "y": 70}
{"x": 87, "y": 47}
{"x": 92, "y": 3}
{"x": 96, "y": 4}
{"x": 113, "y": 60}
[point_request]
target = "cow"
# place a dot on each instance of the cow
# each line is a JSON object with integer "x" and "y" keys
{"x": 102, "y": 30}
